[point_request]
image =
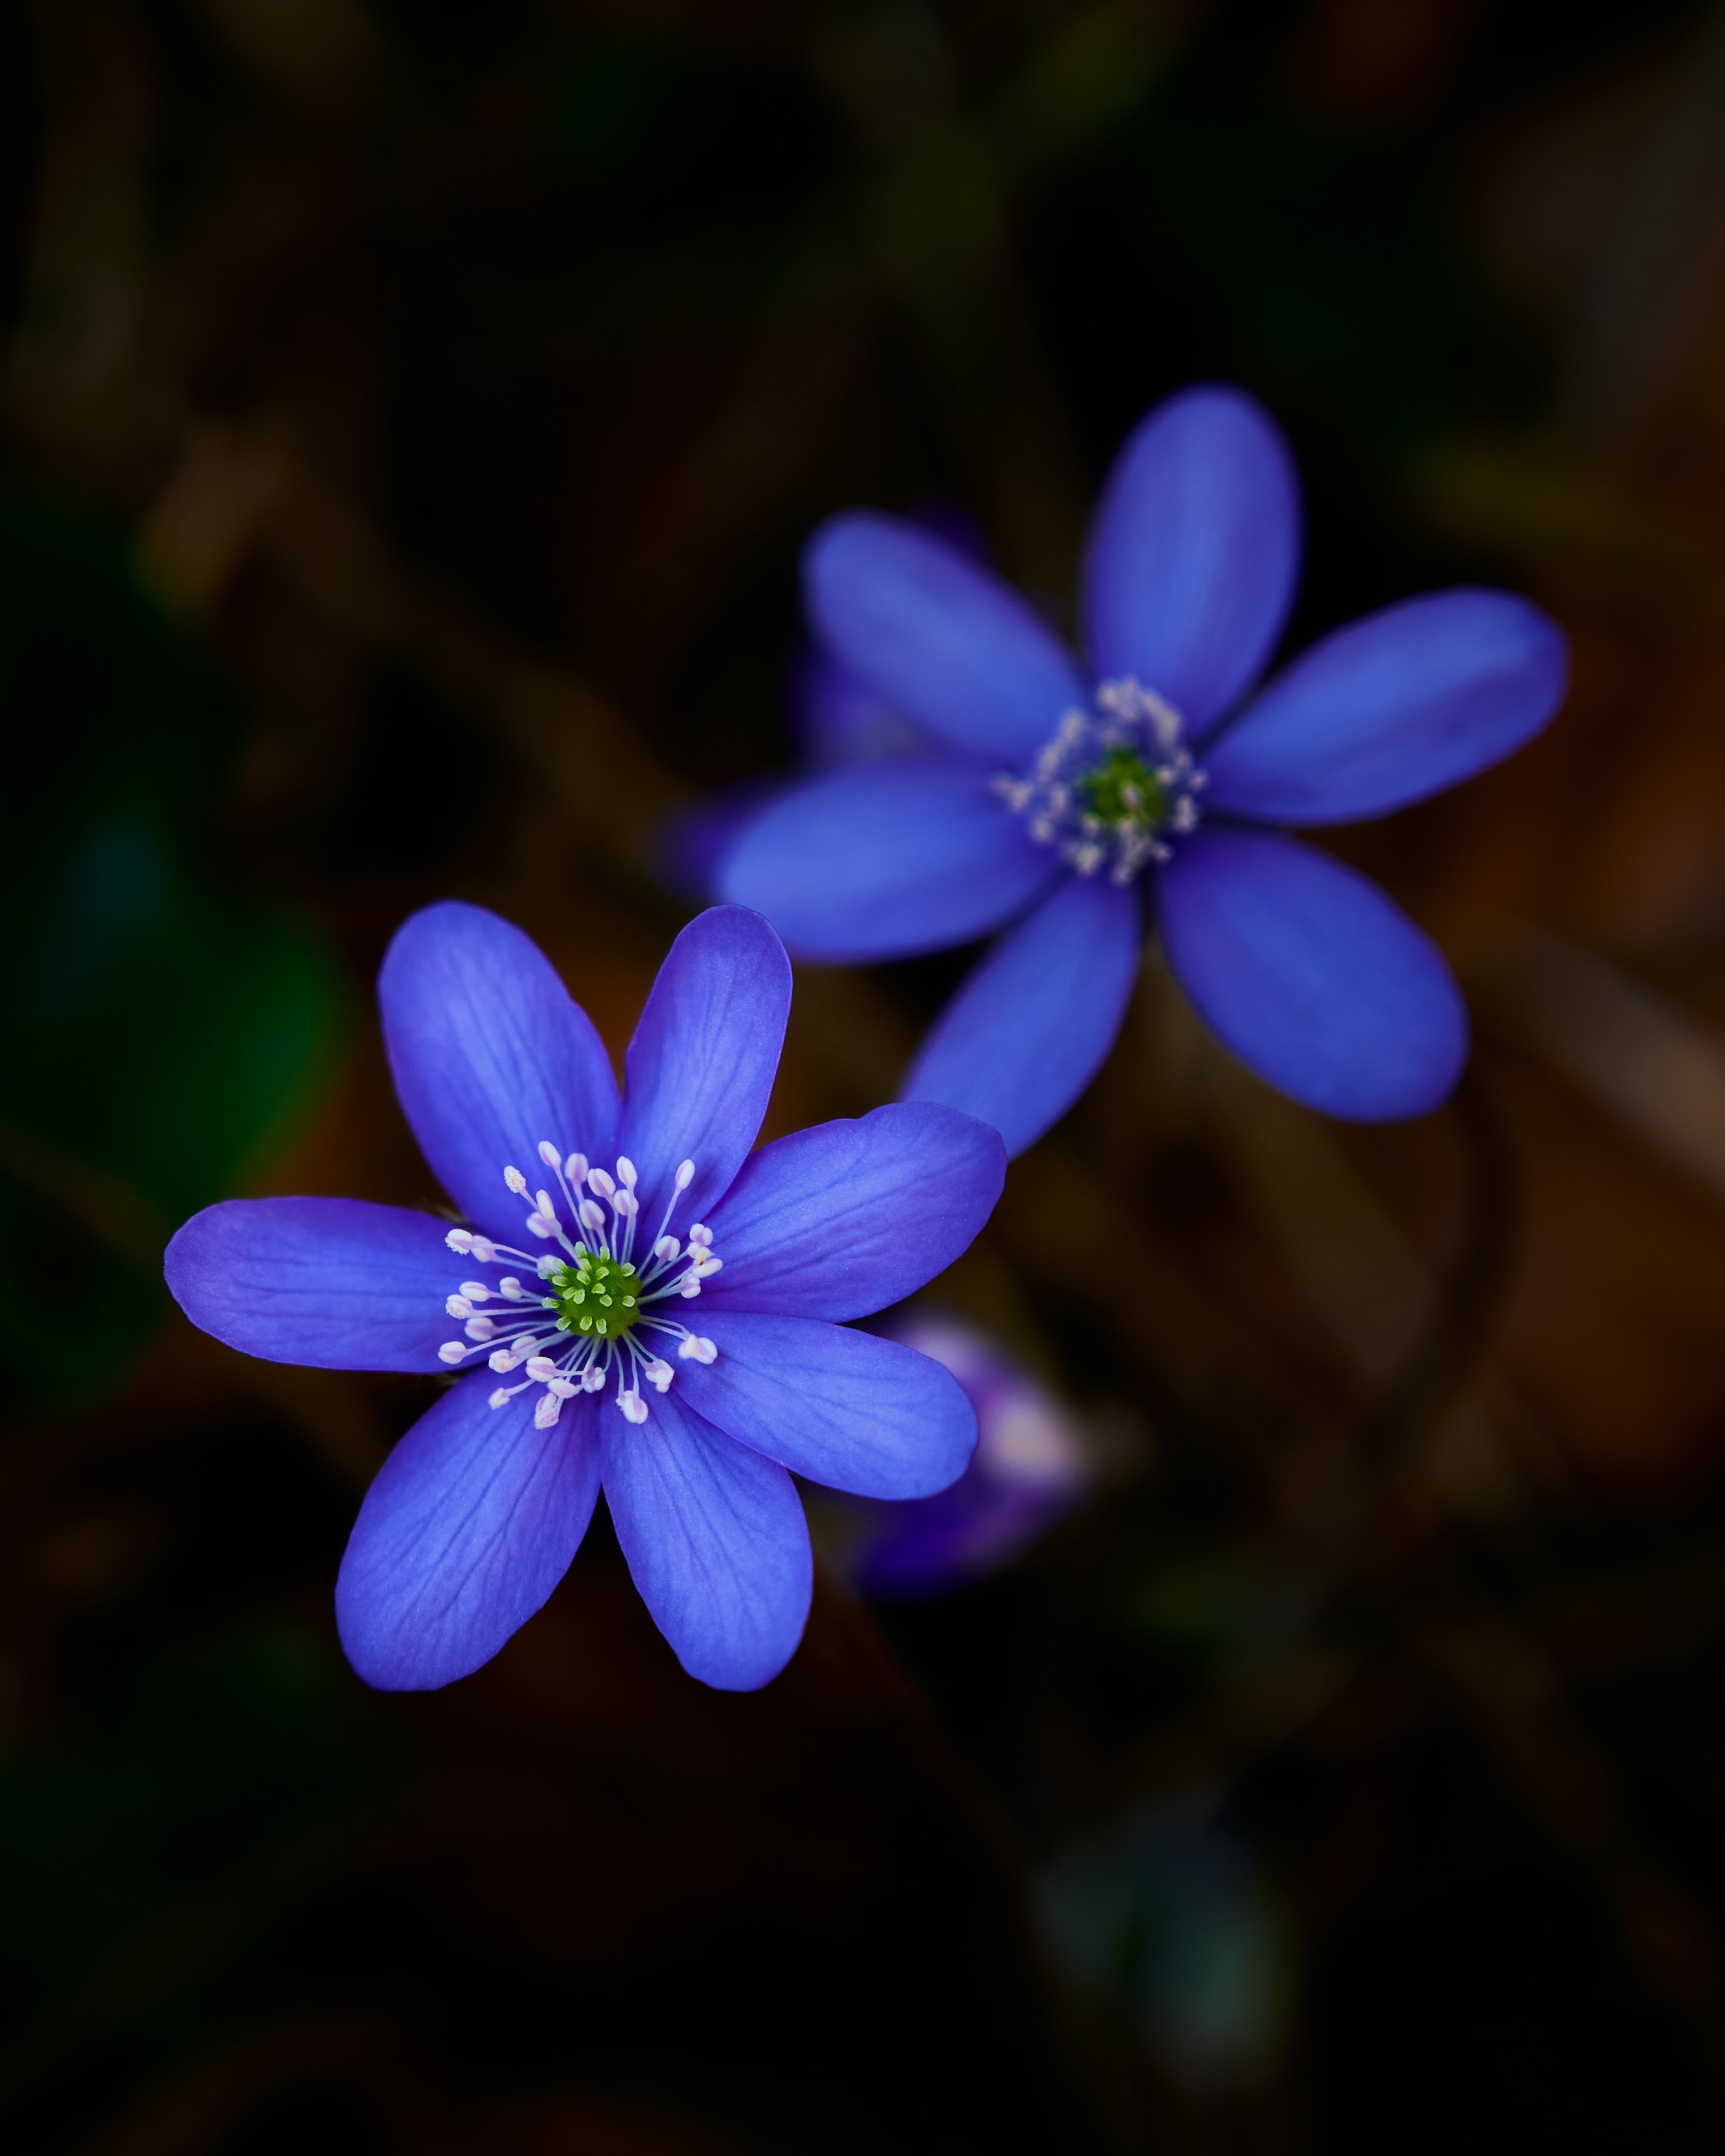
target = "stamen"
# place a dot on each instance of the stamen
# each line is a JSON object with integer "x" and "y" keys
{"x": 1112, "y": 787}
{"x": 517, "y": 1181}
{"x": 694, "y": 1348}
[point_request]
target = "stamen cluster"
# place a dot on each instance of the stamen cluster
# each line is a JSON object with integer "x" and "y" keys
{"x": 579, "y": 1326}
{"x": 1114, "y": 785}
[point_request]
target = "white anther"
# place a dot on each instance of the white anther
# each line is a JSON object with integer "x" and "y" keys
{"x": 592, "y": 1215}
{"x": 546, "y": 1413}
{"x": 549, "y": 1264}
{"x": 700, "y": 1234}
{"x": 509, "y": 1288}
{"x": 625, "y": 1204}
{"x": 542, "y": 1225}
{"x": 694, "y": 1349}
{"x": 547, "y": 1203}
{"x": 504, "y": 1358}
{"x": 475, "y": 1291}
{"x": 484, "y": 1250}
{"x": 575, "y": 1170}
{"x": 626, "y": 1171}
{"x": 684, "y": 1177}
{"x": 690, "y": 1287}
{"x": 459, "y": 1240}
{"x": 658, "y": 1372}
{"x": 634, "y": 1408}
{"x": 480, "y": 1329}
{"x": 541, "y": 1369}
{"x": 593, "y": 1380}
{"x": 499, "y": 1398}
{"x": 597, "y": 1180}
{"x": 667, "y": 1248}
{"x": 708, "y": 1264}
{"x": 452, "y": 1350}
{"x": 458, "y": 1306}
{"x": 548, "y": 1153}
{"x": 564, "y": 1387}
{"x": 517, "y": 1181}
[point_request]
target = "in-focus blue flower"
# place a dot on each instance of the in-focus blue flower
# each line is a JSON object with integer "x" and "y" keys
{"x": 1032, "y": 1465}
{"x": 570, "y": 1296}
{"x": 1067, "y": 795}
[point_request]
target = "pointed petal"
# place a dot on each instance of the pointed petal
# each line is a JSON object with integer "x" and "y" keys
{"x": 938, "y": 637}
{"x": 329, "y": 1282}
{"x": 839, "y": 1220}
{"x": 1312, "y": 975}
{"x": 716, "y": 1543}
{"x": 844, "y": 1408}
{"x": 489, "y": 1055}
{"x": 702, "y": 1062}
{"x": 1036, "y": 1020}
{"x": 473, "y": 1520}
{"x": 1194, "y": 551}
{"x": 882, "y": 860}
{"x": 1392, "y": 709}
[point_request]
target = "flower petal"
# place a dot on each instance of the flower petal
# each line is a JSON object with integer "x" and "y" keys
{"x": 1194, "y": 551}
{"x": 938, "y": 637}
{"x": 489, "y": 1055}
{"x": 1312, "y": 975}
{"x": 716, "y": 1543}
{"x": 844, "y": 1408}
{"x": 331, "y": 1282}
{"x": 1034, "y": 1022}
{"x": 702, "y": 1062}
{"x": 882, "y": 860}
{"x": 1392, "y": 709}
{"x": 839, "y": 1220}
{"x": 471, "y": 1523}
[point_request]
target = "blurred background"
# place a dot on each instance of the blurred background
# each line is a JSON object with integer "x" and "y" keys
{"x": 1307, "y": 1734}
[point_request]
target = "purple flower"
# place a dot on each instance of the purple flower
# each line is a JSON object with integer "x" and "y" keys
{"x": 1032, "y": 1465}
{"x": 570, "y": 1298}
{"x": 1066, "y": 795}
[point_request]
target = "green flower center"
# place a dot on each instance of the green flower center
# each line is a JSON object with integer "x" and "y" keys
{"x": 598, "y": 1296}
{"x": 1122, "y": 791}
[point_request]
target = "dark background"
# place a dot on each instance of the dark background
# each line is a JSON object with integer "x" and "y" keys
{"x": 410, "y": 413}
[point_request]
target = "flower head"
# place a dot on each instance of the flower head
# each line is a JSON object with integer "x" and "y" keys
{"x": 1067, "y": 797}
{"x": 668, "y": 1327}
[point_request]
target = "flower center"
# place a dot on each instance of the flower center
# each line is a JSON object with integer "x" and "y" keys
{"x": 577, "y": 1327}
{"x": 595, "y": 1295}
{"x": 1114, "y": 786}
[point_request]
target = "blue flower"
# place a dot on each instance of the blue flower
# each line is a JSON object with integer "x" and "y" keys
{"x": 569, "y": 1301}
{"x": 1067, "y": 798}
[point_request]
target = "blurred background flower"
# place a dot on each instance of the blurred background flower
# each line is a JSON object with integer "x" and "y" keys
{"x": 410, "y": 420}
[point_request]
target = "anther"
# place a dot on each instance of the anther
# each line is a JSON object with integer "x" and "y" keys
{"x": 684, "y": 1177}
{"x": 626, "y": 1172}
{"x": 693, "y": 1349}
{"x": 517, "y": 1181}
{"x": 452, "y": 1350}
{"x": 597, "y": 1180}
{"x": 548, "y": 1153}
{"x": 634, "y": 1407}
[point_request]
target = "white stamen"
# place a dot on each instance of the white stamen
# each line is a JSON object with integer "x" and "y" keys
{"x": 542, "y": 1224}
{"x": 597, "y": 1180}
{"x": 458, "y": 1306}
{"x": 475, "y": 1291}
{"x": 479, "y": 1328}
{"x": 517, "y": 1181}
{"x": 549, "y": 1409}
{"x": 626, "y": 1171}
{"x": 484, "y": 1250}
{"x": 625, "y": 1204}
{"x": 592, "y": 1215}
{"x": 593, "y": 1380}
{"x": 634, "y": 1407}
{"x": 501, "y": 1397}
{"x": 700, "y": 1232}
{"x": 459, "y": 1240}
{"x": 657, "y": 1372}
{"x": 509, "y": 1288}
{"x": 575, "y": 1170}
{"x": 548, "y": 1153}
{"x": 452, "y": 1350}
{"x": 667, "y": 1248}
{"x": 685, "y": 1176}
{"x": 693, "y": 1349}
{"x": 541, "y": 1369}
